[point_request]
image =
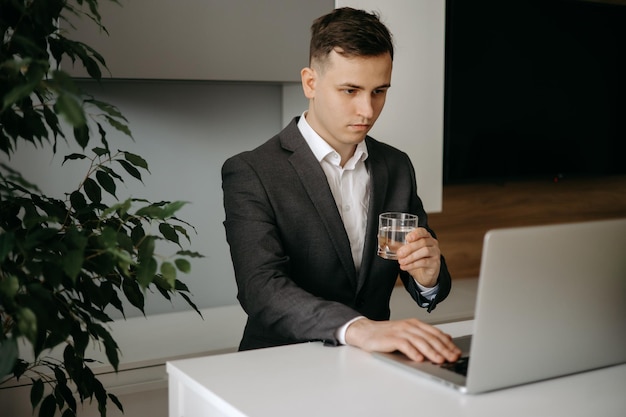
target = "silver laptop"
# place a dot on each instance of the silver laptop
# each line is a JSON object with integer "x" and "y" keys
{"x": 551, "y": 301}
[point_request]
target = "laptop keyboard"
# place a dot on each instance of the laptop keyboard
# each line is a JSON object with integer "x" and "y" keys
{"x": 459, "y": 367}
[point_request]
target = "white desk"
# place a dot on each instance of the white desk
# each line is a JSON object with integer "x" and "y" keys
{"x": 314, "y": 380}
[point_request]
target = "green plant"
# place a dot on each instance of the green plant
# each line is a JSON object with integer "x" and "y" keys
{"x": 66, "y": 262}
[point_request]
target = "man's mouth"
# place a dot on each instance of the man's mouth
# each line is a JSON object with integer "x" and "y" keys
{"x": 360, "y": 126}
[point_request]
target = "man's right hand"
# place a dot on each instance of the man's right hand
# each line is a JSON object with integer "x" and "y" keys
{"x": 416, "y": 339}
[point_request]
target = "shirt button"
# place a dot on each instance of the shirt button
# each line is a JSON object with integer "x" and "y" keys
{"x": 346, "y": 208}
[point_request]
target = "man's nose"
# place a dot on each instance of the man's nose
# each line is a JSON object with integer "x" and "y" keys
{"x": 365, "y": 106}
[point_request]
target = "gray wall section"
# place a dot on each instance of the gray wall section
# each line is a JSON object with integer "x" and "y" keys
{"x": 185, "y": 131}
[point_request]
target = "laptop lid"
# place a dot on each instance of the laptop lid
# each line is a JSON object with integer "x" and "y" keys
{"x": 551, "y": 301}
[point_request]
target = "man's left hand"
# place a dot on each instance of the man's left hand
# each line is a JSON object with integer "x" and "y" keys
{"x": 421, "y": 257}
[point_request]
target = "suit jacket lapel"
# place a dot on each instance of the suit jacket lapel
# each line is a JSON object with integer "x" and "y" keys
{"x": 379, "y": 178}
{"x": 316, "y": 185}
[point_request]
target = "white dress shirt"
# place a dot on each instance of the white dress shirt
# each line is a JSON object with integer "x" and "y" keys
{"x": 350, "y": 186}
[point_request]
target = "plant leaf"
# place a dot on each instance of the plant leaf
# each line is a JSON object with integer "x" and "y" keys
{"x": 190, "y": 254}
{"x": 72, "y": 263}
{"x": 136, "y": 160}
{"x": 53, "y": 122}
{"x": 119, "y": 126}
{"x": 48, "y": 406}
{"x": 100, "y": 393}
{"x": 130, "y": 169}
{"x": 183, "y": 231}
{"x": 9, "y": 285}
{"x": 6, "y": 245}
{"x": 27, "y": 324}
{"x": 161, "y": 211}
{"x": 169, "y": 232}
{"x": 183, "y": 265}
{"x": 108, "y": 238}
{"x": 110, "y": 346}
{"x": 77, "y": 199}
{"x": 133, "y": 293}
{"x": 71, "y": 109}
{"x": 146, "y": 249}
{"x": 106, "y": 182}
{"x": 36, "y": 70}
{"x": 68, "y": 413}
{"x": 137, "y": 234}
{"x": 100, "y": 151}
{"x": 122, "y": 207}
{"x": 8, "y": 356}
{"x": 73, "y": 156}
{"x": 36, "y": 392}
{"x": 191, "y": 303}
{"x": 170, "y": 209}
{"x": 117, "y": 402}
{"x": 146, "y": 271}
{"x": 81, "y": 134}
{"x": 169, "y": 273}
{"x": 93, "y": 191}
{"x": 107, "y": 108}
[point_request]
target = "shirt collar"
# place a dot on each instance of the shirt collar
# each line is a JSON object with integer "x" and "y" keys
{"x": 321, "y": 149}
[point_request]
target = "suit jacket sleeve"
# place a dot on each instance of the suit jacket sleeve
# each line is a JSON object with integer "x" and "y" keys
{"x": 399, "y": 186}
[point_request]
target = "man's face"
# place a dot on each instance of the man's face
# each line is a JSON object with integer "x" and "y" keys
{"x": 346, "y": 96}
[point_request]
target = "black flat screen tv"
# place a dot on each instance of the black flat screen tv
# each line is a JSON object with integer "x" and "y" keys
{"x": 534, "y": 89}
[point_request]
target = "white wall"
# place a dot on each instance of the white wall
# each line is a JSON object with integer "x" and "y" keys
{"x": 254, "y": 40}
{"x": 413, "y": 116}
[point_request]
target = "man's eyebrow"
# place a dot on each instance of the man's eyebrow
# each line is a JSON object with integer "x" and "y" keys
{"x": 358, "y": 87}
{"x": 350, "y": 85}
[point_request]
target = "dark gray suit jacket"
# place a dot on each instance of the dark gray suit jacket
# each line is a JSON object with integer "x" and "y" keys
{"x": 293, "y": 265}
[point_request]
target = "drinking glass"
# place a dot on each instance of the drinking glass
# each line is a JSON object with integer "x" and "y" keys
{"x": 392, "y": 230}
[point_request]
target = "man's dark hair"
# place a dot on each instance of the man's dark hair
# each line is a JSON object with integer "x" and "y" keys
{"x": 350, "y": 32}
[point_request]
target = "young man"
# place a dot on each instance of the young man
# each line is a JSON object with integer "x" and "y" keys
{"x": 302, "y": 211}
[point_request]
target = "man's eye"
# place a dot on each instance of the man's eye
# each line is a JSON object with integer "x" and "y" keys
{"x": 349, "y": 91}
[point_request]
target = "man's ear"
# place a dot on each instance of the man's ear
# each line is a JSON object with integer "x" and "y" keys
{"x": 309, "y": 77}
